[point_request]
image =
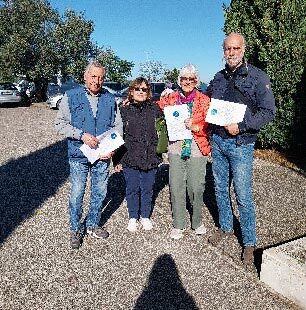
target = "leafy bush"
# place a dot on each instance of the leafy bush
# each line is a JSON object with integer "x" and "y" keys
{"x": 275, "y": 33}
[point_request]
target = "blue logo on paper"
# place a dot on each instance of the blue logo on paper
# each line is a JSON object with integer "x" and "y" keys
{"x": 113, "y": 136}
{"x": 176, "y": 113}
{"x": 214, "y": 111}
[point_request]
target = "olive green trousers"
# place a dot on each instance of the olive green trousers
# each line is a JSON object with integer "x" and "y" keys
{"x": 187, "y": 174}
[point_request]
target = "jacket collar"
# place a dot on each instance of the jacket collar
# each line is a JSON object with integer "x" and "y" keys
{"x": 242, "y": 70}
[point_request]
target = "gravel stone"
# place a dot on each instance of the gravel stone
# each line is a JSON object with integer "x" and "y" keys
{"x": 142, "y": 270}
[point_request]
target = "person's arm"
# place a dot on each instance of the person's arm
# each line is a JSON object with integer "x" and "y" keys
{"x": 118, "y": 125}
{"x": 63, "y": 125}
{"x": 265, "y": 103}
{"x": 63, "y": 121}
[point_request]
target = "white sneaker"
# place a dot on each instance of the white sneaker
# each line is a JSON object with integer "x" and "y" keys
{"x": 201, "y": 230}
{"x": 132, "y": 226}
{"x": 176, "y": 233}
{"x": 146, "y": 223}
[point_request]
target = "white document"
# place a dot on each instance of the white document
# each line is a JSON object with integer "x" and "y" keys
{"x": 175, "y": 116}
{"x": 223, "y": 113}
{"x": 109, "y": 141}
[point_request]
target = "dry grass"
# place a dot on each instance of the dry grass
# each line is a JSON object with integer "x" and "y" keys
{"x": 295, "y": 161}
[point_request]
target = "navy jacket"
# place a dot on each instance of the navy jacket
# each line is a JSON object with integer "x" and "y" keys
{"x": 140, "y": 136}
{"x": 251, "y": 86}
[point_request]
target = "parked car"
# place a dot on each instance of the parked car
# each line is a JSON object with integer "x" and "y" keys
{"x": 10, "y": 94}
{"x": 156, "y": 87}
{"x": 56, "y": 93}
{"x": 116, "y": 86}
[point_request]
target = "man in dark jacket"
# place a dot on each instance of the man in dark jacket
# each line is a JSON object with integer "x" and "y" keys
{"x": 85, "y": 113}
{"x": 233, "y": 144}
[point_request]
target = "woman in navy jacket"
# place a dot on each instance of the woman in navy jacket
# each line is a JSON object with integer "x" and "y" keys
{"x": 140, "y": 160}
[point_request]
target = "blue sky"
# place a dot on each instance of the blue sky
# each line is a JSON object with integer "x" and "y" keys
{"x": 174, "y": 32}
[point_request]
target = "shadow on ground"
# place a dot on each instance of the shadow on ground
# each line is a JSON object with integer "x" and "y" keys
{"x": 164, "y": 289}
{"x": 115, "y": 196}
{"x": 29, "y": 181}
{"x": 161, "y": 180}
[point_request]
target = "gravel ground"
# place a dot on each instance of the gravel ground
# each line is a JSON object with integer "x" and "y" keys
{"x": 144, "y": 270}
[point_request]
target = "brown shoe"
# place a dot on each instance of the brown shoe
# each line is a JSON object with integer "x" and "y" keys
{"x": 75, "y": 239}
{"x": 248, "y": 255}
{"x": 217, "y": 236}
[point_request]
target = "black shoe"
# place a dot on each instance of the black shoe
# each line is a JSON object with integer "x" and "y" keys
{"x": 75, "y": 239}
{"x": 98, "y": 232}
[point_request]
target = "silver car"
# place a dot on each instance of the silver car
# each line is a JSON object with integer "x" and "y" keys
{"x": 10, "y": 94}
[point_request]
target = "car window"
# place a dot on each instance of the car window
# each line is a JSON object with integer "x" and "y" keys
{"x": 113, "y": 85}
{"x": 7, "y": 86}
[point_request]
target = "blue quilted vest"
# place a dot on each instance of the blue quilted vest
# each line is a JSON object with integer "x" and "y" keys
{"x": 83, "y": 118}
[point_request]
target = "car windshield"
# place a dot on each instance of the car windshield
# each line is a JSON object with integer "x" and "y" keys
{"x": 113, "y": 85}
{"x": 158, "y": 88}
{"x": 7, "y": 86}
{"x": 54, "y": 89}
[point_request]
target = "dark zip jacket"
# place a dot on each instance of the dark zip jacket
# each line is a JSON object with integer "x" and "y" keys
{"x": 139, "y": 151}
{"x": 248, "y": 85}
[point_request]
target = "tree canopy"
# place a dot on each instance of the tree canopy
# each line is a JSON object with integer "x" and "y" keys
{"x": 38, "y": 43}
{"x": 117, "y": 69}
{"x": 275, "y": 33}
{"x": 172, "y": 75}
{"x": 152, "y": 70}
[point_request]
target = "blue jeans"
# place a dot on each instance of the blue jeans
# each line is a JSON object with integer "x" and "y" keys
{"x": 99, "y": 173}
{"x": 139, "y": 191}
{"x": 230, "y": 159}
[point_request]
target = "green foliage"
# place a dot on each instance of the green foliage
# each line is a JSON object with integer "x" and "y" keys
{"x": 171, "y": 75}
{"x": 275, "y": 33}
{"x": 37, "y": 43}
{"x": 152, "y": 70}
{"x": 117, "y": 70}
{"x": 72, "y": 44}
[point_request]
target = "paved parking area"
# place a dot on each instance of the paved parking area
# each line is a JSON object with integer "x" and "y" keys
{"x": 145, "y": 270}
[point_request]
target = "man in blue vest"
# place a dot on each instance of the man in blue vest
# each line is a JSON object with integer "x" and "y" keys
{"x": 233, "y": 145}
{"x": 85, "y": 113}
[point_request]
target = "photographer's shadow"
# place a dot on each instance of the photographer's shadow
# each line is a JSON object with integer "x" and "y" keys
{"x": 164, "y": 289}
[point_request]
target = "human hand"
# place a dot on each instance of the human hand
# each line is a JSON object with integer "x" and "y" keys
{"x": 125, "y": 102}
{"x": 188, "y": 123}
{"x": 118, "y": 168}
{"x": 107, "y": 156}
{"x": 232, "y": 129}
{"x": 90, "y": 140}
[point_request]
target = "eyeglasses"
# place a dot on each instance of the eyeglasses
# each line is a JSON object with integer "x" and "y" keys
{"x": 185, "y": 79}
{"x": 143, "y": 89}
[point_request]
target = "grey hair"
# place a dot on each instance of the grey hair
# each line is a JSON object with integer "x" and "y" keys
{"x": 191, "y": 70}
{"x": 236, "y": 34}
{"x": 94, "y": 63}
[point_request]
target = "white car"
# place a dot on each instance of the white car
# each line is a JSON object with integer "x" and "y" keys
{"x": 56, "y": 93}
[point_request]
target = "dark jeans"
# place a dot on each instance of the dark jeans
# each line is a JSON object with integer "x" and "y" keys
{"x": 139, "y": 191}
